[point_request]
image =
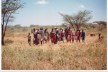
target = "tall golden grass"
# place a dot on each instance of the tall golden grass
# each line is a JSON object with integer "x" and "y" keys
{"x": 88, "y": 55}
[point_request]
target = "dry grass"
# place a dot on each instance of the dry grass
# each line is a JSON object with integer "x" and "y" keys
{"x": 18, "y": 55}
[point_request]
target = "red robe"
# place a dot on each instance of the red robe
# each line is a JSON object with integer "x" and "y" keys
{"x": 79, "y": 35}
{"x": 53, "y": 37}
{"x": 66, "y": 33}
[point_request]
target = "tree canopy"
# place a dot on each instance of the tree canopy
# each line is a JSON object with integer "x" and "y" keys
{"x": 77, "y": 19}
{"x": 9, "y": 8}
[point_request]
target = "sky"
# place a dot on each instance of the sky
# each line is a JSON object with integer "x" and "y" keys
{"x": 46, "y": 12}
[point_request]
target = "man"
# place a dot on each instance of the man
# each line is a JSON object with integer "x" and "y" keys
{"x": 66, "y": 33}
{"x": 52, "y": 35}
{"x": 34, "y": 40}
{"x": 62, "y": 35}
{"x": 76, "y": 32}
{"x": 38, "y": 37}
{"x": 79, "y": 35}
{"x": 46, "y": 35}
{"x": 57, "y": 35}
{"x": 69, "y": 35}
{"x": 83, "y": 36}
{"x": 42, "y": 35}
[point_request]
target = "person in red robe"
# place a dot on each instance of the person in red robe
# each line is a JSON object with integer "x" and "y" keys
{"x": 52, "y": 36}
{"x": 78, "y": 35}
{"x": 66, "y": 34}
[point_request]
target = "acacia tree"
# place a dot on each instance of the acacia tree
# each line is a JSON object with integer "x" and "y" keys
{"x": 78, "y": 19}
{"x": 9, "y": 8}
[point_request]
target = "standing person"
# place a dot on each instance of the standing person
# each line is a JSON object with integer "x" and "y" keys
{"x": 57, "y": 35}
{"x": 83, "y": 36}
{"x": 34, "y": 40}
{"x": 52, "y": 35}
{"x": 73, "y": 36}
{"x": 69, "y": 35}
{"x": 66, "y": 34}
{"x": 62, "y": 35}
{"x": 76, "y": 35}
{"x": 29, "y": 39}
{"x": 42, "y": 35}
{"x": 79, "y": 35}
{"x": 46, "y": 35}
{"x": 38, "y": 37}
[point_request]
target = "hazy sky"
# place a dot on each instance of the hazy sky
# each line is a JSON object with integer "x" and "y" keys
{"x": 46, "y": 12}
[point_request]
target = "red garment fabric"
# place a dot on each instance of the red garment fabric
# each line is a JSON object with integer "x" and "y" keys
{"x": 53, "y": 37}
{"x": 66, "y": 34}
{"x": 78, "y": 34}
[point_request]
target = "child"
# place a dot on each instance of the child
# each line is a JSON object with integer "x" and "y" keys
{"x": 29, "y": 39}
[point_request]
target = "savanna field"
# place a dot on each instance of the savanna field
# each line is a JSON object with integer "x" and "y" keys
{"x": 88, "y": 55}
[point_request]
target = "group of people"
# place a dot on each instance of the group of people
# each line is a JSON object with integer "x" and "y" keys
{"x": 41, "y": 36}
